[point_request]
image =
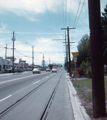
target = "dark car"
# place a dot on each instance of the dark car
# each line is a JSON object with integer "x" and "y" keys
{"x": 18, "y": 70}
{"x": 9, "y": 70}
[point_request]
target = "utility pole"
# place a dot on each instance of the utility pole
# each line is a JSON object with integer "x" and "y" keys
{"x": 13, "y": 39}
{"x": 43, "y": 62}
{"x": 6, "y": 52}
{"x": 68, "y": 48}
{"x": 32, "y": 57}
{"x": 98, "y": 87}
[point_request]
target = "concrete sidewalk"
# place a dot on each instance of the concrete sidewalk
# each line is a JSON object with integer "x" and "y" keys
{"x": 78, "y": 110}
{"x": 66, "y": 105}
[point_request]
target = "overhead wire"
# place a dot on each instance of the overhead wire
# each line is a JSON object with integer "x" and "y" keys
{"x": 77, "y": 13}
{"x": 80, "y": 13}
{"x": 21, "y": 54}
{"x": 49, "y": 17}
{"x": 66, "y": 13}
{"x": 69, "y": 14}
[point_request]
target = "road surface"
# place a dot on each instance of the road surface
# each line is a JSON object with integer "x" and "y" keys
{"x": 27, "y": 96}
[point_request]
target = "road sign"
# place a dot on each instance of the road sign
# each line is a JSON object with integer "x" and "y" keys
{"x": 75, "y": 54}
{"x": 75, "y": 59}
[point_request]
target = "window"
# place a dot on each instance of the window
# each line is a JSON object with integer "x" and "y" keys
{"x": 3, "y": 66}
{"x": 0, "y": 67}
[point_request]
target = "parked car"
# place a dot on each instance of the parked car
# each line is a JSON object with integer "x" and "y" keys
{"x": 19, "y": 70}
{"x": 48, "y": 70}
{"x": 36, "y": 70}
{"x": 54, "y": 70}
{"x": 10, "y": 70}
{"x": 29, "y": 69}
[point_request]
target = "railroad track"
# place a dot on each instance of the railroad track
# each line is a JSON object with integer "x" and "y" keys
{"x": 44, "y": 113}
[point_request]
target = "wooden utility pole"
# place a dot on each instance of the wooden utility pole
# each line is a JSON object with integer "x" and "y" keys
{"x": 6, "y": 52}
{"x": 68, "y": 48}
{"x": 13, "y": 39}
{"x": 32, "y": 57}
{"x": 98, "y": 87}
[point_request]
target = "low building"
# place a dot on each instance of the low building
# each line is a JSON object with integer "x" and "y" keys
{"x": 23, "y": 64}
{"x": 4, "y": 64}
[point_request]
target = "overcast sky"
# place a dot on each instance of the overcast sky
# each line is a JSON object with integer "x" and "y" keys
{"x": 39, "y": 22}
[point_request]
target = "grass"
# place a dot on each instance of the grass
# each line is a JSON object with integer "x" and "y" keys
{"x": 84, "y": 90}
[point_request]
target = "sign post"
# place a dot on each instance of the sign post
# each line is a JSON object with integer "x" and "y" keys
{"x": 75, "y": 60}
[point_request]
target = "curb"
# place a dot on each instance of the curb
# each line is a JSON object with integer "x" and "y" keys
{"x": 78, "y": 110}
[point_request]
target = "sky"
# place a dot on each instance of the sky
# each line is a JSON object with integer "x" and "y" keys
{"x": 38, "y": 23}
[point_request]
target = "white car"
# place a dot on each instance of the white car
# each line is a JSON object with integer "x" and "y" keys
{"x": 36, "y": 70}
{"x": 54, "y": 70}
{"x": 48, "y": 70}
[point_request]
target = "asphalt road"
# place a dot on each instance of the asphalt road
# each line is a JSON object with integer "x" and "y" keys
{"x": 23, "y": 96}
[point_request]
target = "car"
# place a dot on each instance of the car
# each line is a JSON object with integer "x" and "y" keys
{"x": 29, "y": 69}
{"x": 19, "y": 70}
{"x": 54, "y": 70}
{"x": 36, "y": 70}
{"x": 48, "y": 70}
{"x": 10, "y": 70}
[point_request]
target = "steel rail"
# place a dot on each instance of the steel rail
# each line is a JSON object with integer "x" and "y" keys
{"x": 45, "y": 111}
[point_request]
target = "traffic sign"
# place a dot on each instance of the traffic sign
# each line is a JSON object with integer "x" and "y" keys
{"x": 75, "y": 54}
{"x": 75, "y": 59}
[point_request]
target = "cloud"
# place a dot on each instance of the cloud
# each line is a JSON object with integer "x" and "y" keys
{"x": 38, "y": 6}
{"x": 28, "y": 5}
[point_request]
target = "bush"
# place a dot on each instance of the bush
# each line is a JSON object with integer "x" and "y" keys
{"x": 85, "y": 69}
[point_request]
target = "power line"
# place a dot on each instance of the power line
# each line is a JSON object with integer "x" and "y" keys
{"x": 49, "y": 16}
{"x": 80, "y": 13}
{"x": 65, "y": 12}
{"x": 77, "y": 13}
{"x": 22, "y": 54}
{"x": 69, "y": 14}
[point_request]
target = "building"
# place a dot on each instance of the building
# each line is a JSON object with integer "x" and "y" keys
{"x": 23, "y": 64}
{"x": 4, "y": 64}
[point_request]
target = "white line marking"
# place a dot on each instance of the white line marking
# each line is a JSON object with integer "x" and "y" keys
{"x": 47, "y": 77}
{"x": 4, "y": 77}
{"x": 24, "y": 88}
{"x": 24, "y": 72}
{"x": 36, "y": 82}
{"x": 21, "y": 90}
{"x": 5, "y": 98}
{"x": 18, "y": 91}
{"x": 15, "y": 79}
{"x": 6, "y": 74}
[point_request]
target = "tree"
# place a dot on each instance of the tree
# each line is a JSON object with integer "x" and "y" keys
{"x": 84, "y": 50}
{"x": 104, "y": 33}
{"x": 50, "y": 66}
